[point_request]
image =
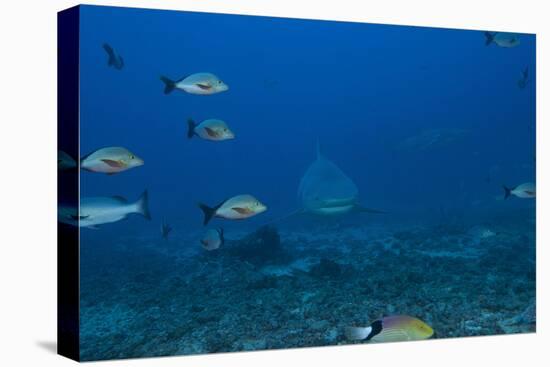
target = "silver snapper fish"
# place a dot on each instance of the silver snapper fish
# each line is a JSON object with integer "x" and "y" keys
{"x": 65, "y": 161}
{"x": 95, "y": 211}
{"x": 211, "y": 129}
{"x": 110, "y": 160}
{"x": 524, "y": 191}
{"x": 502, "y": 39}
{"x": 199, "y": 83}
{"x": 213, "y": 239}
{"x": 238, "y": 207}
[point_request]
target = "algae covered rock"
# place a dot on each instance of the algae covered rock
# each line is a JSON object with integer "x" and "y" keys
{"x": 260, "y": 247}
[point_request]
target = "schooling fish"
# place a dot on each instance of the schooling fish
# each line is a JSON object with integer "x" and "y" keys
{"x": 165, "y": 230}
{"x": 211, "y": 129}
{"x": 65, "y": 161}
{"x": 199, "y": 83}
{"x": 524, "y": 191}
{"x": 100, "y": 210}
{"x": 238, "y": 207}
{"x": 391, "y": 329}
{"x": 213, "y": 239}
{"x": 110, "y": 160}
{"x": 502, "y": 39}
{"x": 114, "y": 60}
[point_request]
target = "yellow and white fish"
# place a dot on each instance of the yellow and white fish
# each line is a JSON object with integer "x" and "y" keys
{"x": 238, "y": 207}
{"x": 211, "y": 129}
{"x": 502, "y": 39}
{"x": 199, "y": 83}
{"x": 392, "y": 329}
{"x": 110, "y": 160}
{"x": 524, "y": 191}
{"x": 213, "y": 239}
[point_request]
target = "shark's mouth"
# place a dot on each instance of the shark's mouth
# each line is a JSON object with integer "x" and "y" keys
{"x": 331, "y": 206}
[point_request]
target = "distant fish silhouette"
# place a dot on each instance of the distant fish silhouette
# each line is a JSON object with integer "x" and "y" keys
{"x": 431, "y": 139}
{"x": 524, "y": 80}
{"x": 165, "y": 230}
{"x": 502, "y": 39}
{"x": 114, "y": 60}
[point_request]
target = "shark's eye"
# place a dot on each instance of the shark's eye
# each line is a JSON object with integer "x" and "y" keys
{"x": 219, "y": 82}
{"x": 132, "y": 156}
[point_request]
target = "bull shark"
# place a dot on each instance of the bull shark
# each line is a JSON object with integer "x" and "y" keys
{"x": 326, "y": 191}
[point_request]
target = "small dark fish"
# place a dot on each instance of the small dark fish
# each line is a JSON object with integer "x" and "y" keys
{"x": 524, "y": 80}
{"x": 213, "y": 239}
{"x": 165, "y": 230}
{"x": 114, "y": 60}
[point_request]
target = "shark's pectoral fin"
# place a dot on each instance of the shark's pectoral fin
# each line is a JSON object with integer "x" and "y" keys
{"x": 362, "y": 209}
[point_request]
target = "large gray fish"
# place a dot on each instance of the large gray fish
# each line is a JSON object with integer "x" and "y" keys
{"x": 110, "y": 160}
{"x": 502, "y": 39}
{"x": 211, "y": 129}
{"x": 238, "y": 207}
{"x": 114, "y": 59}
{"x": 326, "y": 190}
{"x": 95, "y": 211}
{"x": 199, "y": 83}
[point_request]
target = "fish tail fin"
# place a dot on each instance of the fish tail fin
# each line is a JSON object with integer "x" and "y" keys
{"x": 169, "y": 85}
{"x": 507, "y": 191}
{"x": 358, "y": 333}
{"x": 208, "y": 212}
{"x": 142, "y": 205}
{"x": 111, "y": 54}
{"x": 191, "y": 125}
{"x": 489, "y": 37}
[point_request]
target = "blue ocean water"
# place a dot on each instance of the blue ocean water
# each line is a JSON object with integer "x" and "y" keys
{"x": 428, "y": 123}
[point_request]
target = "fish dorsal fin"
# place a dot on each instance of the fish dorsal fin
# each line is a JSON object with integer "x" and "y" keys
{"x": 120, "y": 199}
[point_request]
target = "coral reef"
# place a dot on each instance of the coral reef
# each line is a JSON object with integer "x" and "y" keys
{"x": 297, "y": 288}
